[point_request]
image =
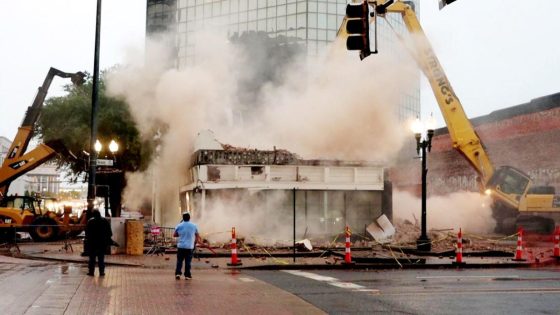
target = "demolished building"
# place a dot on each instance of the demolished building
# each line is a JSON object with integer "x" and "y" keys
{"x": 270, "y": 186}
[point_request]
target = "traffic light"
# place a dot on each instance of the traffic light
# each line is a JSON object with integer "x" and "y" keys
{"x": 443, "y": 3}
{"x": 357, "y": 27}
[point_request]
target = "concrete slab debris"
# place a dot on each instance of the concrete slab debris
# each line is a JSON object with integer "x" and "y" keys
{"x": 381, "y": 229}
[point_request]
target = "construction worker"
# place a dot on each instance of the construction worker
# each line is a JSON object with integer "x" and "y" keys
{"x": 98, "y": 239}
{"x": 187, "y": 234}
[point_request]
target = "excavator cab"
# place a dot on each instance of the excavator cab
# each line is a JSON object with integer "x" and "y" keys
{"x": 16, "y": 211}
{"x": 517, "y": 202}
{"x": 509, "y": 181}
{"x": 507, "y": 186}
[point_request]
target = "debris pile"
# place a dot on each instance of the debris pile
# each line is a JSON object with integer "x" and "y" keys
{"x": 445, "y": 239}
{"x": 402, "y": 245}
{"x": 242, "y": 156}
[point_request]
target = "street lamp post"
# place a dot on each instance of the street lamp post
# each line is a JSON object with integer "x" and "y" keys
{"x": 423, "y": 146}
{"x": 113, "y": 148}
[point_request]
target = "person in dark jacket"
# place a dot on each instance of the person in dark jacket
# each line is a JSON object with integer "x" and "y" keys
{"x": 98, "y": 239}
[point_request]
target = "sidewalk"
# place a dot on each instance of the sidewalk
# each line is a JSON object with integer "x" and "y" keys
{"x": 46, "y": 287}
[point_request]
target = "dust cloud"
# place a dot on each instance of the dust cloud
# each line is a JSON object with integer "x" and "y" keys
{"x": 331, "y": 106}
{"x": 227, "y": 209}
{"x": 467, "y": 210}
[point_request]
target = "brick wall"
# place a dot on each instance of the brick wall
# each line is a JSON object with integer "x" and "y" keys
{"x": 526, "y": 136}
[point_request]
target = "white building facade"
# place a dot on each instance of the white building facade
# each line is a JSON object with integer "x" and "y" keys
{"x": 325, "y": 196}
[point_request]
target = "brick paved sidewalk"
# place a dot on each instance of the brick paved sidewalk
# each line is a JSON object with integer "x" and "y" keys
{"x": 32, "y": 287}
{"x": 126, "y": 290}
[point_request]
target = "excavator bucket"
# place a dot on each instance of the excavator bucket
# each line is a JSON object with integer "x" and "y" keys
{"x": 59, "y": 147}
{"x": 78, "y": 78}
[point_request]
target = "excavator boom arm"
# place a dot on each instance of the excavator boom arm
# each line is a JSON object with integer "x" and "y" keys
{"x": 464, "y": 137}
{"x": 17, "y": 162}
{"x": 25, "y": 131}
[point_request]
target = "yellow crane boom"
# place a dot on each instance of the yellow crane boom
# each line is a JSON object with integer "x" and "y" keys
{"x": 514, "y": 200}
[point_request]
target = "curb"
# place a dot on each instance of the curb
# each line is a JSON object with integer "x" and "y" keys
{"x": 380, "y": 265}
{"x": 78, "y": 261}
{"x": 383, "y": 266}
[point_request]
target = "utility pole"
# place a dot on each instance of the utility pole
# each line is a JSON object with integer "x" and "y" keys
{"x": 94, "y": 100}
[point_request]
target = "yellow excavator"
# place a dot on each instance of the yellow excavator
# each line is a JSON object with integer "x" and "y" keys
{"x": 516, "y": 201}
{"x": 24, "y": 213}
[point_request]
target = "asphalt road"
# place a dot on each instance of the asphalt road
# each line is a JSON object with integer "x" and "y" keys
{"x": 481, "y": 291}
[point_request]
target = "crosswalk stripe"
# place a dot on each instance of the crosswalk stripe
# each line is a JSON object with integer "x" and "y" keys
{"x": 331, "y": 281}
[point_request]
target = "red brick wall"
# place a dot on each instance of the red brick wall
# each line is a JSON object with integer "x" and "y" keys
{"x": 529, "y": 141}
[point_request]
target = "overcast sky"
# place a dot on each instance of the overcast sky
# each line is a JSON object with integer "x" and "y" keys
{"x": 496, "y": 53}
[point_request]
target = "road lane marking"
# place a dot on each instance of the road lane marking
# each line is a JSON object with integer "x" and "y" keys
{"x": 246, "y": 279}
{"x": 331, "y": 281}
{"x": 478, "y": 291}
{"x": 467, "y": 277}
{"x": 311, "y": 275}
{"x": 346, "y": 285}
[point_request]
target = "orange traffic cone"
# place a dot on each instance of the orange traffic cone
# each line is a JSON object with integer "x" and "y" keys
{"x": 556, "y": 252}
{"x": 519, "y": 249}
{"x": 234, "y": 260}
{"x": 347, "y": 253}
{"x": 459, "y": 250}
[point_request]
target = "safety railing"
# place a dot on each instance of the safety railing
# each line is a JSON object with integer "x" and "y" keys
{"x": 158, "y": 239}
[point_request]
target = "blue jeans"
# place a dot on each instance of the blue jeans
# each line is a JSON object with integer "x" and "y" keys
{"x": 186, "y": 255}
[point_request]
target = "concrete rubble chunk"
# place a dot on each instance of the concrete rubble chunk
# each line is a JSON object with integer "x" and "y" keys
{"x": 304, "y": 245}
{"x": 382, "y": 230}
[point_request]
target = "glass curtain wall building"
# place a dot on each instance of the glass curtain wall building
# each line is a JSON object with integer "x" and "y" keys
{"x": 312, "y": 24}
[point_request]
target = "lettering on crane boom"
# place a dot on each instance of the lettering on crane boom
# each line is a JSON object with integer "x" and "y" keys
{"x": 18, "y": 164}
{"x": 439, "y": 77}
{"x": 13, "y": 153}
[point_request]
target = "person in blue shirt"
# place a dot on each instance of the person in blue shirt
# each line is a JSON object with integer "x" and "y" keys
{"x": 187, "y": 234}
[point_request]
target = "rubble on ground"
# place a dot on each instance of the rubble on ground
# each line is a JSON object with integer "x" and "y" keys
{"x": 400, "y": 245}
{"x": 446, "y": 239}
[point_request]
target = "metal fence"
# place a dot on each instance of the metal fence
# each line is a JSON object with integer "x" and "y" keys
{"x": 159, "y": 236}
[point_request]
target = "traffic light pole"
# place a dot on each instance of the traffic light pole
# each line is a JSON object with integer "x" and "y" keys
{"x": 94, "y": 100}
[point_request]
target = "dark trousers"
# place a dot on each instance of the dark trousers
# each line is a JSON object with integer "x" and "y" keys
{"x": 186, "y": 255}
{"x": 100, "y": 255}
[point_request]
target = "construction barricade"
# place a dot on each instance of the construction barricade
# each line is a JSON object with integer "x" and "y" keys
{"x": 234, "y": 260}
{"x": 459, "y": 250}
{"x": 347, "y": 249}
{"x": 519, "y": 248}
{"x": 556, "y": 250}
